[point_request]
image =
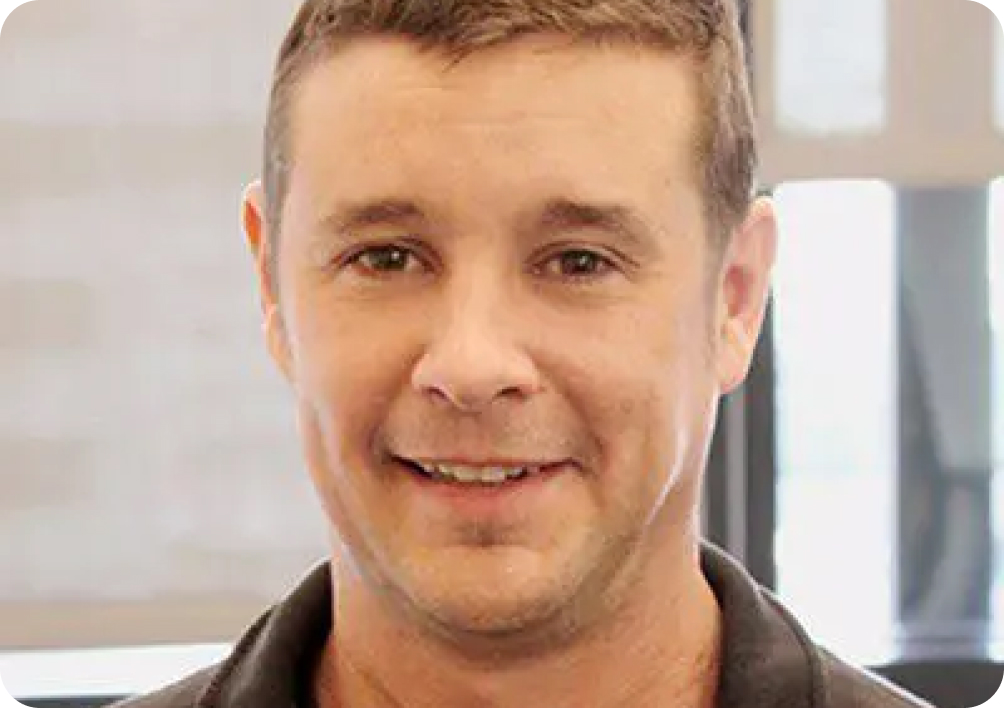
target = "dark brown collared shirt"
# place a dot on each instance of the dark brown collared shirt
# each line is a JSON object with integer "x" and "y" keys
{"x": 768, "y": 661}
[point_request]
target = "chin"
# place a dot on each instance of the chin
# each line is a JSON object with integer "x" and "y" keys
{"x": 492, "y": 602}
{"x": 496, "y": 627}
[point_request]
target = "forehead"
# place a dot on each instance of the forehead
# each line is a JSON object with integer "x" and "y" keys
{"x": 381, "y": 109}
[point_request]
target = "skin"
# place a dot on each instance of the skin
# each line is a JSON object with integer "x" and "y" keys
{"x": 466, "y": 323}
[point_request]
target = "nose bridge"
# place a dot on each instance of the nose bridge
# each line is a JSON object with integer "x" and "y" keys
{"x": 474, "y": 354}
{"x": 477, "y": 308}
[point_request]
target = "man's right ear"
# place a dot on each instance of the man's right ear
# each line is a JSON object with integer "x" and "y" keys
{"x": 258, "y": 242}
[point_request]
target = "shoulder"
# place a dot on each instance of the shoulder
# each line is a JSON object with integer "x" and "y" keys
{"x": 769, "y": 660}
{"x": 851, "y": 687}
{"x": 185, "y": 693}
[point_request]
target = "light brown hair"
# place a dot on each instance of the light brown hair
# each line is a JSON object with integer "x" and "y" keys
{"x": 707, "y": 31}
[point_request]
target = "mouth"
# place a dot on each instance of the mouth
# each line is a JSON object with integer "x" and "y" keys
{"x": 488, "y": 474}
{"x": 500, "y": 491}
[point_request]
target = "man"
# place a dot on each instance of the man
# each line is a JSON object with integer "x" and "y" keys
{"x": 509, "y": 261}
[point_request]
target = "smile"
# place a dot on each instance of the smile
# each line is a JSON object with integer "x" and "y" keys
{"x": 481, "y": 474}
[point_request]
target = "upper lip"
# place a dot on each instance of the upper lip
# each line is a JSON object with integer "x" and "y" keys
{"x": 480, "y": 462}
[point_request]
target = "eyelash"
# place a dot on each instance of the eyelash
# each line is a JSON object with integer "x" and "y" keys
{"x": 355, "y": 260}
{"x": 604, "y": 264}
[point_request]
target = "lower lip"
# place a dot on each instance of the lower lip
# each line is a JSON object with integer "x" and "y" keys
{"x": 481, "y": 499}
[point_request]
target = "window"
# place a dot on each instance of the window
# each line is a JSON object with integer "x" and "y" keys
{"x": 834, "y": 325}
{"x": 822, "y": 88}
{"x": 888, "y": 306}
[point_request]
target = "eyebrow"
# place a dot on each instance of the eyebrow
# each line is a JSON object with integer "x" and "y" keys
{"x": 350, "y": 217}
{"x": 556, "y": 215}
{"x": 570, "y": 215}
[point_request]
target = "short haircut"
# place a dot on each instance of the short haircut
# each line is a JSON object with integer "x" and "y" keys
{"x": 706, "y": 31}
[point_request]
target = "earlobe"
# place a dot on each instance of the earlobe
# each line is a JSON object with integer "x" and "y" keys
{"x": 744, "y": 291}
{"x": 273, "y": 327}
{"x": 734, "y": 354}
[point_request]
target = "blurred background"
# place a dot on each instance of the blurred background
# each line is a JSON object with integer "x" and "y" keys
{"x": 152, "y": 498}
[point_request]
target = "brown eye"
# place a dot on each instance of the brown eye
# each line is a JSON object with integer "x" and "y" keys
{"x": 579, "y": 263}
{"x": 384, "y": 259}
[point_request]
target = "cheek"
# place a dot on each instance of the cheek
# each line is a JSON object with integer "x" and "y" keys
{"x": 350, "y": 365}
{"x": 346, "y": 360}
{"x": 339, "y": 493}
{"x": 338, "y": 383}
{"x": 649, "y": 401}
{"x": 349, "y": 489}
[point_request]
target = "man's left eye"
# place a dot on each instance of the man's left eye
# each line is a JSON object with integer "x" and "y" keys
{"x": 578, "y": 263}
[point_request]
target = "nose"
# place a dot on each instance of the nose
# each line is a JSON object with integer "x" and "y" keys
{"x": 474, "y": 358}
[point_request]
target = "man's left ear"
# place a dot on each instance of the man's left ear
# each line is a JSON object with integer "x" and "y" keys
{"x": 743, "y": 289}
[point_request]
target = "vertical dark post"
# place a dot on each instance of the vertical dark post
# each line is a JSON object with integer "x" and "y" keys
{"x": 761, "y": 459}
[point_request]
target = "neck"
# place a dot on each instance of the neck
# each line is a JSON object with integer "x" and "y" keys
{"x": 662, "y": 648}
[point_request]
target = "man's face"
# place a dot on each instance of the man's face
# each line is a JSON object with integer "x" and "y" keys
{"x": 502, "y": 263}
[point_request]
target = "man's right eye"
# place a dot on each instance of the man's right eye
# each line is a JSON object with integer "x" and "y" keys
{"x": 384, "y": 259}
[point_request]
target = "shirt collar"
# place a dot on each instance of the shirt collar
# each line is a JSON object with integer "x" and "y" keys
{"x": 767, "y": 659}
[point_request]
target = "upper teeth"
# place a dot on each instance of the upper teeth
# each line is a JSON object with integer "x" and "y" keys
{"x": 463, "y": 473}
